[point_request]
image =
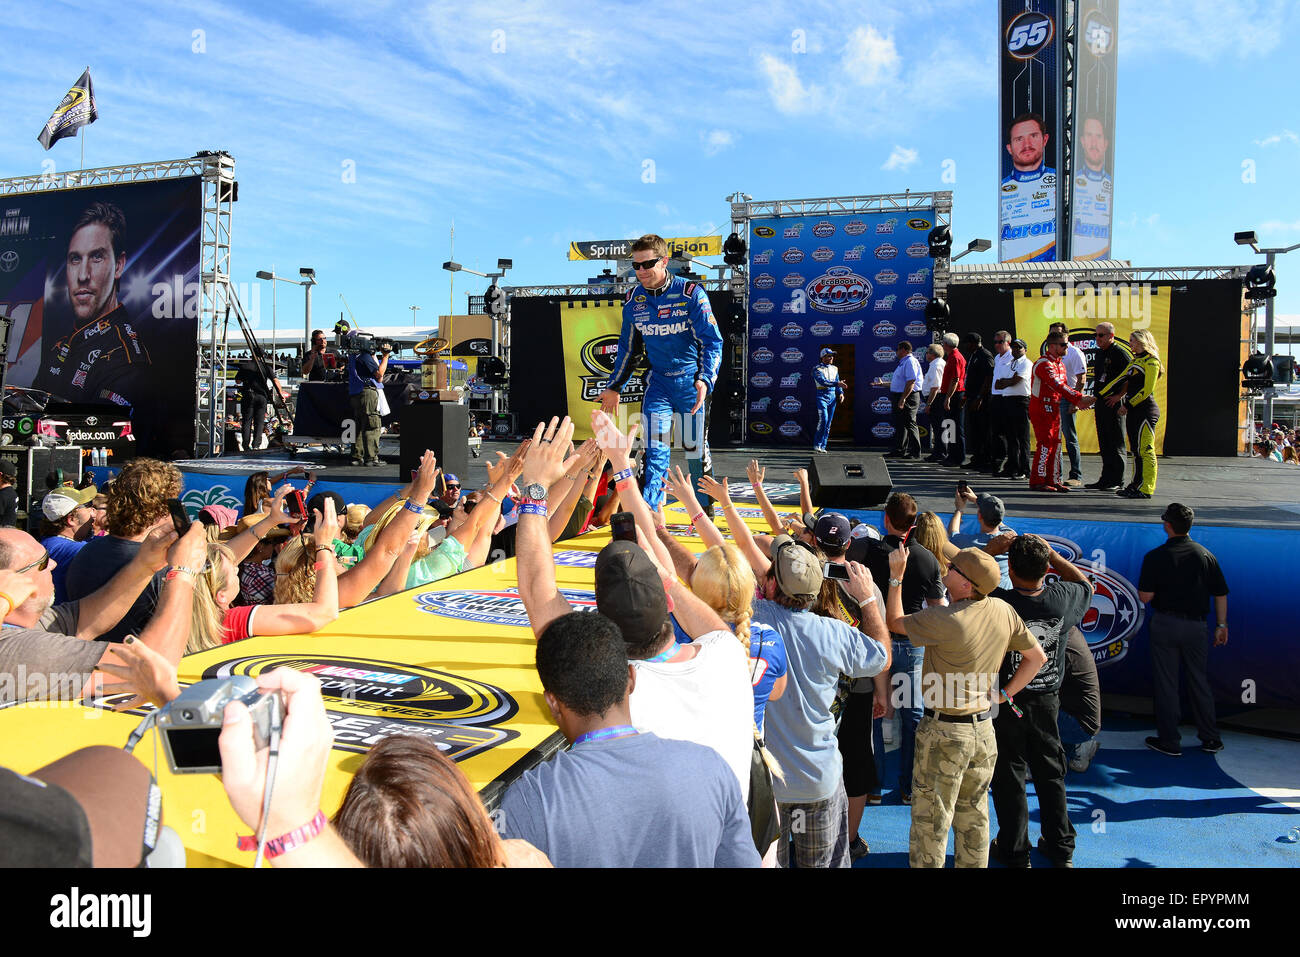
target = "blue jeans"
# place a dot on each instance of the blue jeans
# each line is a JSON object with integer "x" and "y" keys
{"x": 826, "y": 402}
{"x": 668, "y": 400}
{"x": 908, "y": 660}
{"x": 1070, "y": 439}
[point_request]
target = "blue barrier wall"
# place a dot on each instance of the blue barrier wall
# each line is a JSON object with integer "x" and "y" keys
{"x": 1259, "y": 666}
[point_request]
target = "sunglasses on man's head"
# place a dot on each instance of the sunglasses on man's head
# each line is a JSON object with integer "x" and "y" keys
{"x": 39, "y": 565}
{"x": 647, "y": 264}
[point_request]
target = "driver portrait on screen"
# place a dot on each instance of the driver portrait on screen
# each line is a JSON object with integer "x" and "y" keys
{"x": 102, "y": 358}
{"x": 1093, "y": 192}
{"x": 1028, "y": 196}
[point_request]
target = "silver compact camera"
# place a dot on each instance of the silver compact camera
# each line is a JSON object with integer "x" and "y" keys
{"x": 190, "y": 724}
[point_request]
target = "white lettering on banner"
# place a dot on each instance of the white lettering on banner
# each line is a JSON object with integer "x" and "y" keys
{"x": 73, "y": 910}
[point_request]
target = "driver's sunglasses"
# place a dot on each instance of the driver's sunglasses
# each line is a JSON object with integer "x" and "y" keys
{"x": 647, "y": 264}
{"x": 39, "y": 565}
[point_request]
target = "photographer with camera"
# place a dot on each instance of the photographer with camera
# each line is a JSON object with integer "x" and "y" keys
{"x": 365, "y": 388}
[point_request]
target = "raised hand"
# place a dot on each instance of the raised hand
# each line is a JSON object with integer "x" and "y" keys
{"x": 615, "y": 444}
{"x": 327, "y": 524}
{"x": 680, "y": 486}
{"x": 716, "y": 490}
{"x": 755, "y": 472}
{"x": 144, "y": 673}
{"x": 546, "y": 462}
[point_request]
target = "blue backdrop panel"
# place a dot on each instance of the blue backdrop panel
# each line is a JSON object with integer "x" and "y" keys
{"x": 1260, "y": 665}
{"x": 859, "y": 279}
{"x": 201, "y": 488}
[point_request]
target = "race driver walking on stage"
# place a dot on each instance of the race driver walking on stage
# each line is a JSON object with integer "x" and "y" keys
{"x": 669, "y": 318}
{"x": 1049, "y": 384}
{"x": 830, "y": 389}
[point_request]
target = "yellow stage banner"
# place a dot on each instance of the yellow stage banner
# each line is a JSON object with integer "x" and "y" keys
{"x": 622, "y": 248}
{"x": 1128, "y": 308}
{"x": 453, "y": 661}
{"x": 590, "y": 329}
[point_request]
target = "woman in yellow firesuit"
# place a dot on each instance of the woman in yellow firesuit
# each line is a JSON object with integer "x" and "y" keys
{"x": 1141, "y": 411}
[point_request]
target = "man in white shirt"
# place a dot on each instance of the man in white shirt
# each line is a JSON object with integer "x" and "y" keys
{"x": 905, "y": 390}
{"x": 1011, "y": 370}
{"x": 1076, "y": 367}
{"x": 934, "y": 357}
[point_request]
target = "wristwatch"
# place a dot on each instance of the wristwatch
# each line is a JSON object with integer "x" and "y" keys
{"x": 534, "y": 492}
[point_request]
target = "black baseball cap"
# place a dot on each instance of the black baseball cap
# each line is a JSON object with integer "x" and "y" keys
{"x": 630, "y": 592}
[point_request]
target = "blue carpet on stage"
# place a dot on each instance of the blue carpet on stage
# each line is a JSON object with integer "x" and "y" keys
{"x": 1136, "y": 808}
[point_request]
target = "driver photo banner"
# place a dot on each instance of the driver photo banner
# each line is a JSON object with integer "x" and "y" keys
{"x": 1031, "y": 63}
{"x": 102, "y": 285}
{"x": 1092, "y": 204}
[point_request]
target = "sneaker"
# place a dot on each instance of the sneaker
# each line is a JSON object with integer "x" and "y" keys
{"x": 1155, "y": 744}
{"x": 1076, "y": 481}
{"x": 1019, "y": 476}
{"x": 1102, "y": 487}
{"x": 375, "y": 464}
{"x": 874, "y": 799}
{"x": 819, "y": 449}
{"x": 356, "y": 462}
{"x": 858, "y": 849}
{"x": 1083, "y": 755}
{"x": 905, "y": 797}
{"x": 1211, "y": 747}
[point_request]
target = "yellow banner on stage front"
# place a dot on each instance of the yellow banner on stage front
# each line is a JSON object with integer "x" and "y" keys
{"x": 590, "y": 330}
{"x": 1128, "y": 308}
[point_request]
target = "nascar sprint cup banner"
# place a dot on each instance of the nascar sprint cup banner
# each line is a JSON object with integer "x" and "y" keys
{"x": 856, "y": 282}
{"x": 103, "y": 287}
{"x": 1092, "y": 208}
{"x": 1031, "y": 38}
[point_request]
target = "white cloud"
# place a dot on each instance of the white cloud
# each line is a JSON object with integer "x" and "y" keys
{"x": 1206, "y": 30}
{"x": 901, "y": 158}
{"x": 787, "y": 91}
{"x": 870, "y": 59}
{"x": 1276, "y": 138}
{"x": 715, "y": 141}
{"x": 1280, "y": 226}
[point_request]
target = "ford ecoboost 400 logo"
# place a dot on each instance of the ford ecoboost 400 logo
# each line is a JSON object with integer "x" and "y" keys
{"x": 838, "y": 290}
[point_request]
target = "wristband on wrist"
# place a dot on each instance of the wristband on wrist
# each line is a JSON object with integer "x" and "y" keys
{"x": 532, "y": 508}
{"x": 413, "y": 507}
{"x": 624, "y": 474}
{"x": 325, "y": 548}
{"x": 12, "y": 604}
{"x": 697, "y": 516}
{"x": 285, "y": 842}
{"x": 488, "y": 493}
{"x": 175, "y": 570}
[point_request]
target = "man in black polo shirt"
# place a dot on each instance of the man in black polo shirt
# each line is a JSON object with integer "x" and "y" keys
{"x": 1178, "y": 579}
{"x": 979, "y": 382}
{"x": 1112, "y": 358}
{"x": 1031, "y": 740}
{"x": 922, "y": 585}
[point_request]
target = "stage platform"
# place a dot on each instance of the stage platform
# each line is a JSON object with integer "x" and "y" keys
{"x": 1228, "y": 492}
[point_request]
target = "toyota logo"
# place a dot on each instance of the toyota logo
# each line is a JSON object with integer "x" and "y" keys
{"x": 8, "y": 261}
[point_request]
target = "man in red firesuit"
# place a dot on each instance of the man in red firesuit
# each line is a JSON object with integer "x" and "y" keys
{"x": 1048, "y": 384}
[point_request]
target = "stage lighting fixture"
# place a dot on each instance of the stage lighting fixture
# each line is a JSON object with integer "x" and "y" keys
{"x": 307, "y": 272}
{"x": 1260, "y": 283}
{"x": 263, "y": 274}
{"x": 1246, "y": 238}
{"x": 452, "y": 267}
{"x": 937, "y": 314}
{"x": 505, "y": 263}
{"x": 734, "y": 250}
{"x": 1257, "y": 372}
{"x": 940, "y": 240}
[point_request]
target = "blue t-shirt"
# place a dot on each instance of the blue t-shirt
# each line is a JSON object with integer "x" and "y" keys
{"x": 979, "y": 539}
{"x": 62, "y": 550}
{"x": 362, "y": 371}
{"x": 638, "y": 801}
{"x": 800, "y": 729}
{"x": 767, "y": 662}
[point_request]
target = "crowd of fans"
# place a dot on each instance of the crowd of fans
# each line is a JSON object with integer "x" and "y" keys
{"x": 726, "y": 708}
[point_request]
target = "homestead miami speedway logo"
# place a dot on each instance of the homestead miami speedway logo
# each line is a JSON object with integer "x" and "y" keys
{"x": 502, "y": 607}
{"x": 368, "y": 700}
{"x": 1115, "y": 614}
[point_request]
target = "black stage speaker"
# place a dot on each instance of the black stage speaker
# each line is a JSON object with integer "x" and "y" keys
{"x": 440, "y": 426}
{"x": 33, "y": 464}
{"x": 849, "y": 480}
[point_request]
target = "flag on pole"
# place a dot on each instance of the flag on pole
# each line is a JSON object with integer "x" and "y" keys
{"x": 76, "y": 110}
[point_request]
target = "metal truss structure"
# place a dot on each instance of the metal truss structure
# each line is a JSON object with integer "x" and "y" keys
{"x": 1093, "y": 271}
{"x": 219, "y": 190}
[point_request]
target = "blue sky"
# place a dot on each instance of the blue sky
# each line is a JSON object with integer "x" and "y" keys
{"x": 531, "y": 124}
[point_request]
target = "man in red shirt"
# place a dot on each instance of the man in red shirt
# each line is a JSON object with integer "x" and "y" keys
{"x": 1048, "y": 384}
{"x": 952, "y": 403}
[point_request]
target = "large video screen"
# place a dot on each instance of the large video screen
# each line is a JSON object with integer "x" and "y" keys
{"x": 102, "y": 285}
{"x": 1096, "y": 58}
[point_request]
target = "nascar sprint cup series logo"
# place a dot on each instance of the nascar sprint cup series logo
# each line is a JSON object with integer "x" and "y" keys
{"x": 367, "y": 700}
{"x": 1115, "y": 615}
{"x": 597, "y": 357}
{"x": 502, "y": 607}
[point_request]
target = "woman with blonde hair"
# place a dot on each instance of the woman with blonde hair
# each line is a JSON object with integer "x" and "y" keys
{"x": 214, "y": 622}
{"x": 929, "y": 531}
{"x": 1140, "y": 410}
{"x": 724, "y": 581}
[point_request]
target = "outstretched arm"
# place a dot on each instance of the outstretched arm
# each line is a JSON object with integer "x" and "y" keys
{"x": 756, "y": 473}
{"x": 805, "y": 493}
{"x": 103, "y": 608}
{"x": 618, "y": 447}
{"x": 543, "y": 463}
